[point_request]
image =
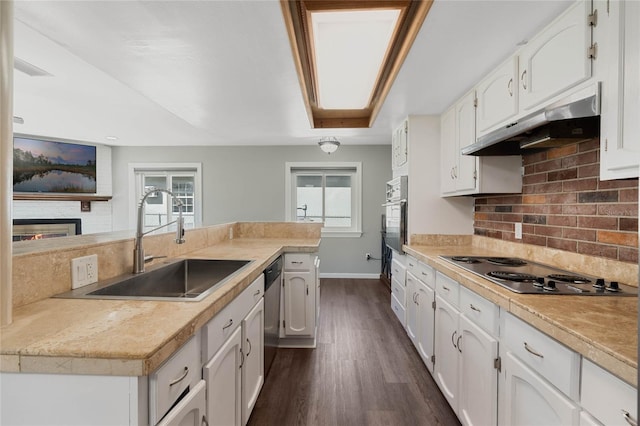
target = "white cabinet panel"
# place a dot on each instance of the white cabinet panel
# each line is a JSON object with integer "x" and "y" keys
{"x": 412, "y": 307}
{"x": 446, "y": 351}
{"x": 466, "y": 172}
{"x": 618, "y": 32}
{"x": 426, "y": 324}
{"x": 190, "y": 411}
{"x": 478, "y": 377}
{"x": 224, "y": 383}
{"x": 497, "y": 97}
{"x": 556, "y": 59}
{"x": 606, "y": 397}
{"x": 299, "y": 304}
{"x": 253, "y": 365}
{"x": 528, "y": 399}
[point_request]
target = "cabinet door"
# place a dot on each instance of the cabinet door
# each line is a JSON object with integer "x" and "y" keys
{"x": 528, "y": 399}
{"x": 399, "y": 142}
{"x": 190, "y": 411}
{"x": 448, "y": 151}
{"x": 412, "y": 308}
{"x": 447, "y": 358}
{"x": 299, "y": 304}
{"x": 556, "y": 59}
{"x": 253, "y": 365}
{"x": 466, "y": 135}
{"x": 223, "y": 378}
{"x": 426, "y": 322}
{"x": 619, "y": 34}
{"x": 497, "y": 97}
{"x": 478, "y": 377}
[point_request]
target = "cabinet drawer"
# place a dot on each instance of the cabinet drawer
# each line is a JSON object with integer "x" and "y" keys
{"x": 605, "y": 396}
{"x": 398, "y": 270}
{"x": 178, "y": 373}
{"x": 190, "y": 410}
{"x": 297, "y": 262}
{"x": 479, "y": 310}
{"x": 427, "y": 275}
{"x": 220, "y": 327}
{"x": 398, "y": 309}
{"x": 554, "y": 361}
{"x": 447, "y": 288}
{"x": 413, "y": 266}
{"x": 399, "y": 290}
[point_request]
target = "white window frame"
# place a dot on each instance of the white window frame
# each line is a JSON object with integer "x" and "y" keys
{"x": 165, "y": 167}
{"x": 356, "y": 214}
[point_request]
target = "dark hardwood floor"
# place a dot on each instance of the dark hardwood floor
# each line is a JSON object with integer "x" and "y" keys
{"x": 364, "y": 371}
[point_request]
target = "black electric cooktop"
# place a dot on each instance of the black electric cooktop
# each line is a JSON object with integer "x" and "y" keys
{"x": 527, "y": 277}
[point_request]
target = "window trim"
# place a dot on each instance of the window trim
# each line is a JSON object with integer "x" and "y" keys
{"x": 356, "y": 229}
{"x": 165, "y": 167}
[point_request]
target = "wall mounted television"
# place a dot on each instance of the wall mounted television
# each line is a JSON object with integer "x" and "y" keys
{"x": 47, "y": 166}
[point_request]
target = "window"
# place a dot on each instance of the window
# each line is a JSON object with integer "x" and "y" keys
{"x": 183, "y": 180}
{"x": 325, "y": 192}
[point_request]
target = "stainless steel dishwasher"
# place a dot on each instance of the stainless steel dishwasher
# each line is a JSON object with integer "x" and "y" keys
{"x": 272, "y": 280}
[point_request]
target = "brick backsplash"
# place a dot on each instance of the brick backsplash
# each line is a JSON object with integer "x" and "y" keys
{"x": 565, "y": 206}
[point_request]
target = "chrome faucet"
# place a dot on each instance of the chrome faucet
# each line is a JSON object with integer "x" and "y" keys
{"x": 138, "y": 252}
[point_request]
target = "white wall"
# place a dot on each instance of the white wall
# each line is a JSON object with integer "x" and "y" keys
{"x": 247, "y": 183}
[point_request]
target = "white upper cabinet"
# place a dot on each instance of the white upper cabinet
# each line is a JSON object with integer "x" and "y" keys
{"x": 618, "y": 34}
{"x": 468, "y": 174}
{"x": 399, "y": 147}
{"x": 556, "y": 59}
{"x": 497, "y": 97}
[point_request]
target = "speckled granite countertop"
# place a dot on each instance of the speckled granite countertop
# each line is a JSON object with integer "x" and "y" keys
{"x": 122, "y": 337}
{"x": 602, "y": 329}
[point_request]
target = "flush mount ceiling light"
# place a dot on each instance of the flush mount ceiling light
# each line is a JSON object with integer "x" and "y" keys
{"x": 329, "y": 144}
{"x": 348, "y": 53}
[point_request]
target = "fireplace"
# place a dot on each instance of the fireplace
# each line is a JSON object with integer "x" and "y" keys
{"x": 38, "y": 229}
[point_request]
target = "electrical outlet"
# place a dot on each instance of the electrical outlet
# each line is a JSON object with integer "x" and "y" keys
{"x": 84, "y": 270}
{"x": 368, "y": 256}
{"x": 518, "y": 230}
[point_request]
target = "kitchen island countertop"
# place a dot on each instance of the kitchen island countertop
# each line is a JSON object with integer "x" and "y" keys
{"x": 127, "y": 337}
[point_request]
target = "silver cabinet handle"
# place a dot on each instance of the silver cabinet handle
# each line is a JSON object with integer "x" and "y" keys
{"x": 510, "y": 87}
{"x": 628, "y": 418}
{"x": 532, "y": 351}
{"x": 522, "y": 79}
{"x": 229, "y": 324}
{"x": 204, "y": 421}
{"x": 249, "y": 342}
{"x": 256, "y": 293}
{"x": 444, "y": 287}
{"x": 458, "y": 343}
{"x": 241, "y": 358}
{"x": 474, "y": 308}
{"x": 453, "y": 338}
{"x": 181, "y": 378}
{"x": 296, "y": 262}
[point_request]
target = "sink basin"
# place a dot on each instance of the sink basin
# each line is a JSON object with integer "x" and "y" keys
{"x": 180, "y": 280}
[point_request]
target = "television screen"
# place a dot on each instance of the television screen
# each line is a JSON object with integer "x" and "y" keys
{"x": 48, "y": 166}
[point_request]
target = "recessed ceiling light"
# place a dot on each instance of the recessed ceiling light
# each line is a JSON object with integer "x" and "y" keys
{"x": 111, "y": 138}
{"x": 18, "y": 120}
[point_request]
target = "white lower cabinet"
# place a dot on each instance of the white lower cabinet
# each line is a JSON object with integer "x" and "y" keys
{"x": 610, "y": 400}
{"x": 528, "y": 399}
{"x": 253, "y": 365}
{"x": 224, "y": 383}
{"x": 190, "y": 411}
{"x": 478, "y": 401}
{"x": 298, "y": 304}
{"x": 446, "y": 351}
{"x": 234, "y": 372}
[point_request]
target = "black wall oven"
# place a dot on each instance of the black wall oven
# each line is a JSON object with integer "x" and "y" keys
{"x": 396, "y": 213}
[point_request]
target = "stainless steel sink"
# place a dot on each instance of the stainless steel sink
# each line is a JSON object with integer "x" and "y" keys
{"x": 179, "y": 280}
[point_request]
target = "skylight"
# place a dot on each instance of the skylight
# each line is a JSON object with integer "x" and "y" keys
{"x": 347, "y": 54}
{"x": 350, "y": 48}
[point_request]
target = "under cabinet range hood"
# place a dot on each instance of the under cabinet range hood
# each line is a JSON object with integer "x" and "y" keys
{"x": 573, "y": 119}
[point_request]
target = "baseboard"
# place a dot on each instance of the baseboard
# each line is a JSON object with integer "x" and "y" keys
{"x": 375, "y": 276}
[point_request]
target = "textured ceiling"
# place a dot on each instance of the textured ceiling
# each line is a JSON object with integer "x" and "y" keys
{"x": 221, "y": 72}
